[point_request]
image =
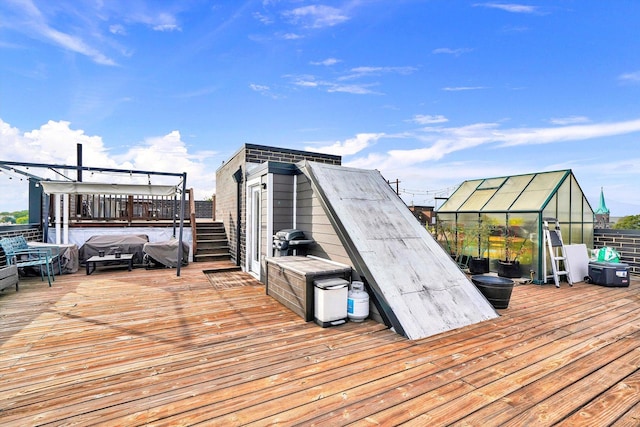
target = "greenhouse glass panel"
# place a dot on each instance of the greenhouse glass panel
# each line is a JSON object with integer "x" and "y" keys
{"x": 587, "y": 212}
{"x": 445, "y": 231}
{"x": 524, "y": 242}
{"x": 588, "y": 234}
{"x": 538, "y": 191}
{"x": 467, "y": 227}
{"x": 492, "y": 183}
{"x": 576, "y": 201}
{"x": 551, "y": 210}
{"x": 564, "y": 202}
{"x": 477, "y": 200}
{"x": 497, "y": 223}
{"x": 576, "y": 234}
{"x": 460, "y": 196}
{"x": 508, "y": 193}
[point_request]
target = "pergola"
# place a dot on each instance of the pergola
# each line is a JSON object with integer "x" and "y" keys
{"x": 75, "y": 187}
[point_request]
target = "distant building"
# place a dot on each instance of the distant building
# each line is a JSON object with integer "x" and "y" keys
{"x": 424, "y": 214}
{"x": 602, "y": 213}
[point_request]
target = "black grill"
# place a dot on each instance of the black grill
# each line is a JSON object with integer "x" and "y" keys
{"x": 285, "y": 241}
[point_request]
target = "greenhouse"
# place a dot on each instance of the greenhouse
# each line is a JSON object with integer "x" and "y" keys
{"x": 489, "y": 224}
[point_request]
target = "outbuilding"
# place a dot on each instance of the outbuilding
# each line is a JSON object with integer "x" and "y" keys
{"x": 502, "y": 219}
{"x": 355, "y": 219}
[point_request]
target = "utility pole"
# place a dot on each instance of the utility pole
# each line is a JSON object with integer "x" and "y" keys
{"x": 397, "y": 183}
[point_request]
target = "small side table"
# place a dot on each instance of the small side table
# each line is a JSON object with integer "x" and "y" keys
{"x": 128, "y": 258}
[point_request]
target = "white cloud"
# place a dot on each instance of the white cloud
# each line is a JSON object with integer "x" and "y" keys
{"x": 30, "y": 21}
{"x": 359, "y": 72}
{"x": 316, "y": 16}
{"x": 259, "y": 88}
{"x": 509, "y": 7}
{"x": 438, "y": 142}
{"x": 630, "y": 77}
{"x": 448, "y": 51}
{"x": 164, "y": 22}
{"x": 306, "y": 81}
{"x": 355, "y": 89}
{"x": 291, "y": 36}
{"x": 77, "y": 45}
{"x": 332, "y": 87}
{"x": 326, "y": 62}
{"x": 356, "y": 73}
{"x": 56, "y": 143}
{"x": 266, "y": 20}
{"x": 525, "y": 136}
{"x": 462, "y": 88}
{"x": 422, "y": 119}
{"x": 350, "y": 146}
{"x": 264, "y": 90}
{"x": 117, "y": 29}
{"x": 571, "y": 120}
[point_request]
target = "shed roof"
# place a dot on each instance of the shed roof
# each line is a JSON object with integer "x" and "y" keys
{"x": 418, "y": 286}
{"x": 518, "y": 193}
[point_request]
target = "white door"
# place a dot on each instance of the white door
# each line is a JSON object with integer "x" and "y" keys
{"x": 255, "y": 230}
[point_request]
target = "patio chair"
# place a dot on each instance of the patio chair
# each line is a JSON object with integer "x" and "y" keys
{"x": 18, "y": 253}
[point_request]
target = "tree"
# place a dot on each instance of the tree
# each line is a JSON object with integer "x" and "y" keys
{"x": 629, "y": 222}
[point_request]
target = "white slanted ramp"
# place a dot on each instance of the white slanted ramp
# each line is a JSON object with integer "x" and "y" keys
{"x": 419, "y": 288}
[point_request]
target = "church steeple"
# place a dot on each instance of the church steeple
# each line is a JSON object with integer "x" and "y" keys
{"x": 602, "y": 209}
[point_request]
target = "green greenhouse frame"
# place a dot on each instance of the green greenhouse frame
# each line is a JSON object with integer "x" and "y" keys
{"x": 502, "y": 219}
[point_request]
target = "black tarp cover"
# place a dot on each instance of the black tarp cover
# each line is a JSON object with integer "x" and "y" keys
{"x": 166, "y": 253}
{"x": 126, "y": 243}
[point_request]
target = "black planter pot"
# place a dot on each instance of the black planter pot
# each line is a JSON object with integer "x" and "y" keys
{"x": 497, "y": 290}
{"x": 509, "y": 269}
{"x": 478, "y": 265}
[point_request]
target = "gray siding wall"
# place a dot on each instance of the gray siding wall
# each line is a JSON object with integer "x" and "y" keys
{"x": 314, "y": 222}
{"x": 282, "y": 202}
{"x": 225, "y": 208}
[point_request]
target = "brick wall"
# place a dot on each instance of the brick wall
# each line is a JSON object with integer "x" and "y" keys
{"x": 33, "y": 233}
{"x": 261, "y": 154}
{"x": 626, "y": 242}
{"x": 204, "y": 209}
{"x": 226, "y": 203}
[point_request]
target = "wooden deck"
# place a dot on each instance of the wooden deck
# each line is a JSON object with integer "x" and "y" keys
{"x": 149, "y": 348}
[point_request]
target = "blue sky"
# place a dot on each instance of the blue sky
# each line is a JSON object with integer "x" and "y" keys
{"x": 429, "y": 92}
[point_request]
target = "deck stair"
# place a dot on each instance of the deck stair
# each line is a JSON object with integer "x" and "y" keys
{"x": 211, "y": 242}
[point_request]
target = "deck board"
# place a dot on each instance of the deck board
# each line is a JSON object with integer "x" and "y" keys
{"x": 149, "y": 348}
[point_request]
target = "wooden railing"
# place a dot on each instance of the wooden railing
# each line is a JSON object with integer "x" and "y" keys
{"x": 192, "y": 219}
{"x": 109, "y": 207}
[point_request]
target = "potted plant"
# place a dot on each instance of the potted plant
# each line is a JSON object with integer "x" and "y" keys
{"x": 479, "y": 264}
{"x": 514, "y": 246}
{"x": 448, "y": 238}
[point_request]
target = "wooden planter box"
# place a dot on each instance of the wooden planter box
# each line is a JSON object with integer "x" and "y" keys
{"x": 290, "y": 280}
{"x": 8, "y": 277}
